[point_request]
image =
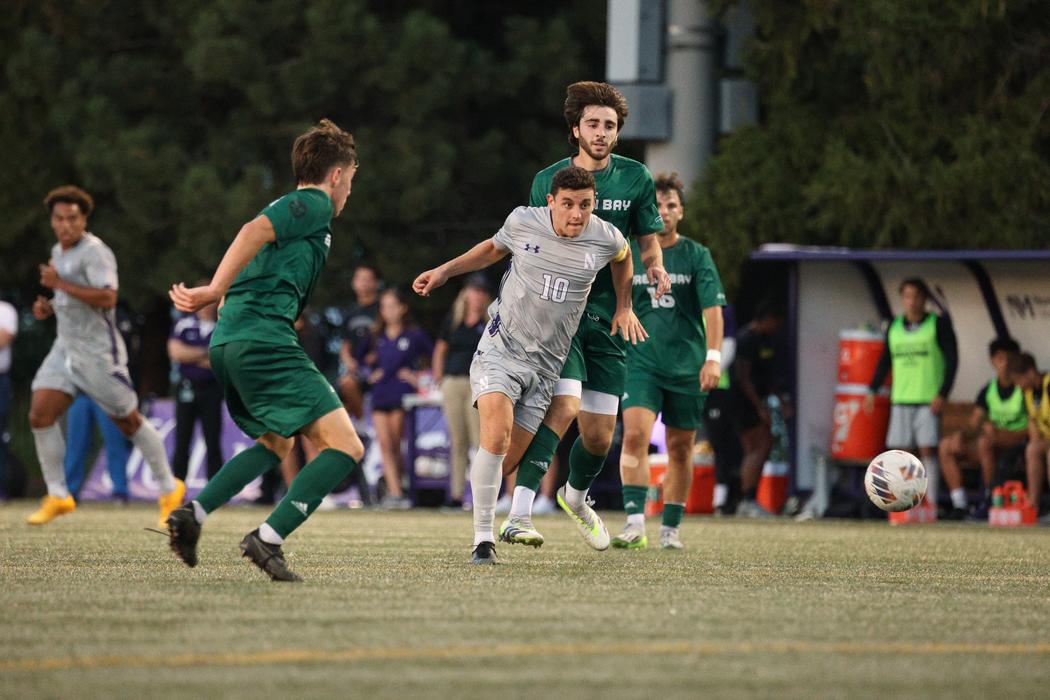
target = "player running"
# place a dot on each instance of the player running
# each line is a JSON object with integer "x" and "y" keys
{"x": 592, "y": 378}
{"x": 672, "y": 373}
{"x": 273, "y": 390}
{"x": 88, "y": 356}
{"x": 557, "y": 252}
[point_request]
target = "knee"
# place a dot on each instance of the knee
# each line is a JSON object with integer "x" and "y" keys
{"x": 129, "y": 424}
{"x": 635, "y": 440}
{"x": 562, "y": 411}
{"x": 680, "y": 447}
{"x": 39, "y": 419}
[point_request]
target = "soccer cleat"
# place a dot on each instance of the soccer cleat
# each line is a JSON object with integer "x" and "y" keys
{"x": 170, "y": 501}
{"x": 484, "y": 554}
{"x": 520, "y": 531}
{"x": 632, "y": 537}
{"x": 183, "y": 533}
{"x": 50, "y": 508}
{"x": 591, "y": 527}
{"x": 267, "y": 557}
{"x": 669, "y": 538}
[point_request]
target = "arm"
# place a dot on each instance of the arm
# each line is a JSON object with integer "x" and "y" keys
{"x": 950, "y": 349}
{"x": 185, "y": 354}
{"x": 437, "y": 362}
{"x": 711, "y": 372}
{"x": 653, "y": 261}
{"x": 249, "y": 241}
{"x": 881, "y": 370}
{"x": 99, "y": 297}
{"x": 624, "y": 321}
{"x": 347, "y": 358}
{"x": 477, "y": 258}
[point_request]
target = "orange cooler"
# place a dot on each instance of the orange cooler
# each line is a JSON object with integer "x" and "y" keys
{"x": 859, "y": 352}
{"x": 701, "y": 492}
{"x": 856, "y": 435}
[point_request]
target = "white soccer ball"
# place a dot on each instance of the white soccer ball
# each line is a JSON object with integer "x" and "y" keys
{"x": 895, "y": 481}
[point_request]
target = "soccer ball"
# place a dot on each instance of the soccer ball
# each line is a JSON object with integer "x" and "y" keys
{"x": 895, "y": 481}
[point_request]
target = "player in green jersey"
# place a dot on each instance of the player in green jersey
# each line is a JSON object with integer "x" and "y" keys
{"x": 671, "y": 374}
{"x": 593, "y": 376}
{"x": 273, "y": 390}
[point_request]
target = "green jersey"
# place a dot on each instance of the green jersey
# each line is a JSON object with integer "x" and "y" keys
{"x": 677, "y": 344}
{"x": 271, "y": 291}
{"x": 626, "y": 198}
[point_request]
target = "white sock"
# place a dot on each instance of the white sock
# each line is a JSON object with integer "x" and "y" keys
{"x": 636, "y": 519}
{"x": 147, "y": 439}
{"x": 573, "y": 497}
{"x": 268, "y": 535}
{"x": 958, "y": 498}
{"x": 51, "y": 451}
{"x": 721, "y": 494}
{"x": 486, "y": 474}
{"x": 521, "y": 507}
{"x": 199, "y": 514}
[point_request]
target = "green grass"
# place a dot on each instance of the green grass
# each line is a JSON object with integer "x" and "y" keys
{"x": 93, "y": 606}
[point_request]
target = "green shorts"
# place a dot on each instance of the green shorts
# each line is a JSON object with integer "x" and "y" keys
{"x": 682, "y": 411}
{"x": 271, "y": 388}
{"x": 597, "y": 359}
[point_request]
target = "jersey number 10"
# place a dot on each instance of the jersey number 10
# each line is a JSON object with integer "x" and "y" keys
{"x": 554, "y": 288}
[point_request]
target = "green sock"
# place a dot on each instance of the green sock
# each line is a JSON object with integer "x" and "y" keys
{"x": 240, "y": 471}
{"x": 537, "y": 459}
{"x": 310, "y": 486}
{"x": 673, "y": 513}
{"x": 634, "y": 499}
{"x": 583, "y": 466}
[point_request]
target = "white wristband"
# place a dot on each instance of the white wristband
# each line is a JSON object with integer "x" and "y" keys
{"x": 714, "y": 356}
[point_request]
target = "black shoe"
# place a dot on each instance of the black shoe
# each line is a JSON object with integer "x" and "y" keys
{"x": 183, "y": 533}
{"x": 956, "y": 514}
{"x": 267, "y": 557}
{"x": 484, "y": 554}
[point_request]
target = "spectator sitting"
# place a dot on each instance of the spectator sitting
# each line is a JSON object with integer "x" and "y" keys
{"x": 392, "y": 353}
{"x": 1036, "y": 386}
{"x": 359, "y": 320}
{"x": 999, "y": 422}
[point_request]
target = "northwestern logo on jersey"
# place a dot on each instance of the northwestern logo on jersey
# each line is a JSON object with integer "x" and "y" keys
{"x": 614, "y": 204}
{"x": 532, "y": 249}
{"x": 494, "y": 325}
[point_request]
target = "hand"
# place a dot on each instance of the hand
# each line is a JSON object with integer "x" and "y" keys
{"x": 408, "y": 376}
{"x": 710, "y": 374}
{"x": 375, "y": 376}
{"x": 869, "y": 403}
{"x": 659, "y": 277}
{"x": 49, "y": 276}
{"x": 42, "y": 308}
{"x": 937, "y": 405}
{"x": 190, "y": 299}
{"x": 429, "y": 281}
{"x": 628, "y": 326}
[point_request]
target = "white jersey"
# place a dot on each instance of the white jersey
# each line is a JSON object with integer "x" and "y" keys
{"x": 84, "y": 329}
{"x": 543, "y": 294}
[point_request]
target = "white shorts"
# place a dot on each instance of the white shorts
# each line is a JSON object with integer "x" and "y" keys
{"x": 912, "y": 426}
{"x": 107, "y": 383}
{"x": 492, "y": 371}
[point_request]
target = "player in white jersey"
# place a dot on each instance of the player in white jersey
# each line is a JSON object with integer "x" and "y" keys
{"x": 88, "y": 356}
{"x": 557, "y": 252}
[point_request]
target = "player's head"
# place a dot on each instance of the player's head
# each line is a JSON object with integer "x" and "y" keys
{"x": 768, "y": 318}
{"x": 595, "y": 113}
{"x": 365, "y": 281}
{"x": 1000, "y": 351}
{"x": 69, "y": 207}
{"x": 326, "y": 156}
{"x": 914, "y": 295}
{"x": 670, "y": 198}
{"x": 571, "y": 200}
{"x": 393, "y": 309}
{"x": 1023, "y": 371}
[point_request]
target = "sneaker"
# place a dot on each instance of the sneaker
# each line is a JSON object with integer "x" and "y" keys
{"x": 183, "y": 533}
{"x": 520, "y": 531}
{"x": 170, "y": 501}
{"x": 267, "y": 557}
{"x": 395, "y": 503}
{"x": 503, "y": 504}
{"x": 50, "y": 508}
{"x": 591, "y": 527}
{"x": 751, "y": 509}
{"x": 484, "y": 554}
{"x": 669, "y": 538}
{"x": 631, "y": 537}
{"x": 543, "y": 505}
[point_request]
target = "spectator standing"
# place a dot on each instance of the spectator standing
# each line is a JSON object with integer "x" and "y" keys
{"x": 453, "y": 353}
{"x": 1036, "y": 387}
{"x": 8, "y": 331}
{"x": 198, "y": 396}
{"x": 357, "y": 329}
{"x": 81, "y": 419}
{"x": 392, "y": 354}
{"x": 921, "y": 347}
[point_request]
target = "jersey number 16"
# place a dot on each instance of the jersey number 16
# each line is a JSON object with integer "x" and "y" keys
{"x": 666, "y": 301}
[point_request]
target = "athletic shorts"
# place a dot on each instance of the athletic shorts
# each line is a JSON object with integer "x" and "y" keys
{"x": 492, "y": 371}
{"x": 106, "y": 382}
{"x": 912, "y": 426}
{"x": 643, "y": 390}
{"x": 271, "y": 388}
{"x": 597, "y": 359}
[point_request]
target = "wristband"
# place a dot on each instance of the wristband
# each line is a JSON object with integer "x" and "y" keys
{"x": 714, "y": 356}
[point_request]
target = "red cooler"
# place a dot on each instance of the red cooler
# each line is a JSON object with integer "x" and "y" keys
{"x": 701, "y": 491}
{"x": 856, "y": 435}
{"x": 859, "y": 352}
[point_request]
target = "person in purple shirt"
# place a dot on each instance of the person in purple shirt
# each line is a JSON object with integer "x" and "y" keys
{"x": 198, "y": 395}
{"x": 392, "y": 354}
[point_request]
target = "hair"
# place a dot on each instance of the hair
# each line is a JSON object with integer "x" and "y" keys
{"x": 407, "y": 321}
{"x": 668, "y": 182}
{"x": 587, "y": 93}
{"x": 768, "y": 308}
{"x": 459, "y": 306}
{"x": 320, "y": 149}
{"x": 70, "y": 194}
{"x": 1007, "y": 345}
{"x": 367, "y": 266}
{"x": 1021, "y": 363}
{"x": 572, "y": 178}
{"x": 916, "y": 282}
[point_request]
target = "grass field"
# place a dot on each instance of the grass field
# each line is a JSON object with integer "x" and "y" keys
{"x": 93, "y": 606}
